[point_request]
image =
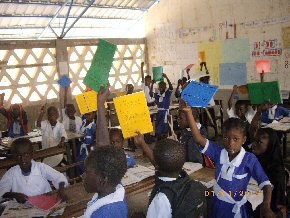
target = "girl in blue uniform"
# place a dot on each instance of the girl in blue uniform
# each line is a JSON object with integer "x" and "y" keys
{"x": 234, "y": 168}
{"x": 162, "y": 99}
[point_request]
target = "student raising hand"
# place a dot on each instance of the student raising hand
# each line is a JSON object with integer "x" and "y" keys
{"x": 139, "y": 140}
{"x": 103, "y": 94}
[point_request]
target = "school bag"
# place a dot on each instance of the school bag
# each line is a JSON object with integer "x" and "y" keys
{"x": 186, "y": 196}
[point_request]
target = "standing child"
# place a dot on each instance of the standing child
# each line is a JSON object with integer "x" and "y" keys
{"x": 162, "y": 99}
{"x": 267, "y": 149}
{"x": 105, "y": 167}
{"x": 70, "y": 121}
{"x": 146, "y": 82}
{"x": 29, "y": 178}
{"x": 174, "y": 193}
{"x": 16, "y": 119}
{"x": 53, "y": 133}
{"x": 234, "y": 168}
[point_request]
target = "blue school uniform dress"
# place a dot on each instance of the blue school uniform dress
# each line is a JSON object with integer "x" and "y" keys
{"x": 163, "y": 103}
{"x": 112, "y": 205}
{"x": 274, "y": 113}
{"x": 230, "y": 190}
{"x": 131, "y": 162}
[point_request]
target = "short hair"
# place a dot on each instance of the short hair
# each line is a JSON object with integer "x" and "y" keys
{"x": 51, "y": 109}
{"x": 235, "y": 123}
{"x": 21, "y": 142}
{"x": 184, "y": 79}
{"x": 162, "y": 83}
{"x": 147, "y": 77}
{"x": 110, "y": 161}
{"x": 116, "y": 131}
{"x": 169, "y": 155}
{"x": 70, "y": 106}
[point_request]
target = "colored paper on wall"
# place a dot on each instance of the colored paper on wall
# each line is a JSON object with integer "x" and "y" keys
{"x": 233, "y": 74}
{"x": 158, "y": 73}
{"x": 198, "y": 94}
{"x": 213, "y": 51}
{"x": 87, "y": 102}
{"x": 44, "y": 202}
{"x": 64, "y": 81}
{"x": 243, "y": 89}
{"x": 236, "y": 50}
{"x": 201, "y": 56}
{"x": 98, "y": 74}
{"x": 260, "y": 93}
{"x": 286, "y": 37}
{"x": 263, "y": 66}
{"x": 133, "y": 114}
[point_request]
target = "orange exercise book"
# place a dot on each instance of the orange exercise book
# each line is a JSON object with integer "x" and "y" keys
{"x": 44, "y": 202}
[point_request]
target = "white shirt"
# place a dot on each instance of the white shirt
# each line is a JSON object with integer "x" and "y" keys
{"x": 160, "y": 206}
{"x": 65, "y": 121}
{"x": 249, "y": 115}
{"x": 51, "y": 138}
{"x": 146, "y": 90}
{"x": 36, "y": 183}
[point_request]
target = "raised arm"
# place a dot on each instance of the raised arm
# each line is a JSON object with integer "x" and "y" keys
{"x": 139, "y": 140}
{"x": 231, "y": 99}
{"x": 65, "y": 97}
{"x": 40, "y": 116}
{"x": 187, "y": 72}
{"x": 177, "y": 94}
{"x": 168, "y": 81}
{"x": 142, "y": 73}
{"x": 200, "y": 139}
{"x": 102, "y": 132}
{"x": 3, "y": 111}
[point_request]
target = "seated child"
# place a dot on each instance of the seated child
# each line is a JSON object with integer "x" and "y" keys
{"x": 117, "y": 139}
{"x": 105, "y": 167}
{"x": 241, "y": 110}
{"x": 174, "y": 193}
{"x": 162, "y": 99}
{"x": 29, "y": 178}
{"x": 273, "y": 113}
{"x": 234, "y": 168}
{"x": 267, "y": 149}
{"x": 53, "y": 134}
{"x": 16, "y": 119}
{"x": 70, "y": 121}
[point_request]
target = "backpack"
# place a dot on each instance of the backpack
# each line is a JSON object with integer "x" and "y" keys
{"x": 186, "y": 196}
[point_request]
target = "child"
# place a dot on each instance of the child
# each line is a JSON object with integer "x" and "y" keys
{"x": 274, "y": 113}
{"x": 174, "y": 193}
{"x": 146, "y": 86}
{"x": 162, "y": 99}
{"x": 53, "y": 134}
{"x": 16, "y": 119}
{"x": 241, "y": 110}
{"x": 71, "y": 122}
{"x": 267, "y": 149}
{"x": 117, "y": 139}
{"x": 105, "y": 167}
{"x": 29, "y": 178}
{"x": 129, "y": 89}
{"x": 234, "y": 168}
{"x": 193, "y": 153}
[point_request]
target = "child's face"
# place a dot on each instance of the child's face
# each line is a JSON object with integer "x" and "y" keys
{"x": 233, "y": 141}
{"x": 117, "y": 140}
{"x": 162, "y": 87}
{"x": 93, "y": 181}
{"x": 70, "y": 111}
{"x": 23, "y": 157}
{"x": 147, "y": 81}
{"x": 90, "y": 116}
{"x": 182, "y": 121}
{"x": 16, "y": 110}
{"x": 52, "y": 116}
{"x": 241, "y": 110}
{"x": 261, "y": 143}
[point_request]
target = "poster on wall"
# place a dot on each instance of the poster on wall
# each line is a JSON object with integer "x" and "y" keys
{"x": 286, "y": 37}
{"x": 236, "y": 50}
{"x": 233, "y": 74}
{"x": 266, "y": 48}
{"x": 263, "y": 66}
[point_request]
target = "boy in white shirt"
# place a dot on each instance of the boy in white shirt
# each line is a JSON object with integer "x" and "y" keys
{"x": 29, "y": 178}
{"x": 53, "y": 134}
{"x": 146, "y": 82}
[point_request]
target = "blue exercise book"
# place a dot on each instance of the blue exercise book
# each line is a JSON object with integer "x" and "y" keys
{"x": 64, "y": 81}
{"x": 198, "y": 94}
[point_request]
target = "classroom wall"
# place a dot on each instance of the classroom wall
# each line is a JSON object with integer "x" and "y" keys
{"x": 177, "y": 29}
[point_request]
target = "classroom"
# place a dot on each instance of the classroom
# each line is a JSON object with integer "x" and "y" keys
{"x": 145, "y": 108}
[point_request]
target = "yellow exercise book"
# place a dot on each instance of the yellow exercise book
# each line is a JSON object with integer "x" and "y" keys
{"x": 87, "y": 102}
{"x": 133, "y": 114}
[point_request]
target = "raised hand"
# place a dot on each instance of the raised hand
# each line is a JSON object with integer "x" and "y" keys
{"x": 103, "y": 94}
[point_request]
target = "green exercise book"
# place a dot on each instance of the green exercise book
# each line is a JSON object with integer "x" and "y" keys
{"x": 158, "y": 73}
{"x": 260, "y": 93}
{"x": 98, "y": 74}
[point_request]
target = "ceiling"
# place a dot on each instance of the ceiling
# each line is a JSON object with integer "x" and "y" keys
{"x": 40, "y": 19}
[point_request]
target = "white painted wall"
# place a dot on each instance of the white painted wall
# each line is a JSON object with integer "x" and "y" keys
{"x": 174, "y": 27}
